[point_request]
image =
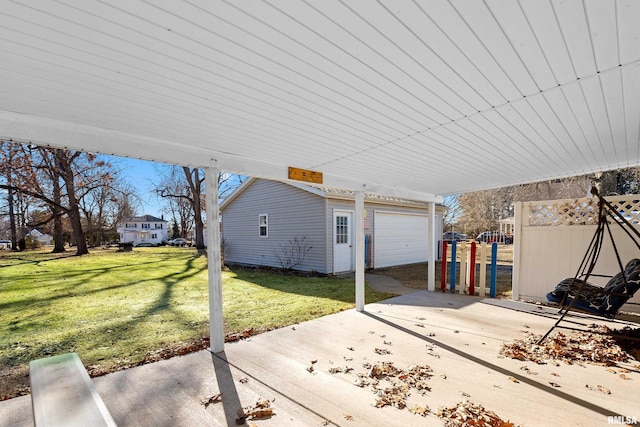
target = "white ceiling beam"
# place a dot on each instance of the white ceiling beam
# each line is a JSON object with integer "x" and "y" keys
{"x": 49, "y": 132}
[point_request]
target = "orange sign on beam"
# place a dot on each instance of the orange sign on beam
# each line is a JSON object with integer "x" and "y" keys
{"x": 305, "y": 175}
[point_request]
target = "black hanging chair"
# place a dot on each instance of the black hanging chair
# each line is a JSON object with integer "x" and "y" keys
{"x": 576, "y": 293}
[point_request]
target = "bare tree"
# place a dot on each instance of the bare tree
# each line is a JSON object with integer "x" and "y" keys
{"x": 190, "y": 191}
{"x": 452, "y": 211}
{"x": 175, "y": 190}
{"x": 195, "y": 179}
{"x": 9, "y": 153}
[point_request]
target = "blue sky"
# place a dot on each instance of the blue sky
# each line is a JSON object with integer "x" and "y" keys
{"x": 143, "y": 176}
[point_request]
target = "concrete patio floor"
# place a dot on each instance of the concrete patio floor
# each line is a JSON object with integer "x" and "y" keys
{"x": 458, "y": 336}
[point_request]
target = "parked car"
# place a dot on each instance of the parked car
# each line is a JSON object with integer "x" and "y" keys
{"x": 494, "y": 236}
{"x": 179, "y": 242}
{"x": 5, "y": 244}
{"x": 145, "y": 245}
{"x": 451, "y": 236}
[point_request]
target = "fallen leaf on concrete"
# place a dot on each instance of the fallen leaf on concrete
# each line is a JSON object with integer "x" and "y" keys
{"x": 467, "y": 414}
{"x": 420, "y": 325}
{"x": 554, "y": 384}
{"x": 310, "y": 369}
{"x": 420, "y": 410}
{"x": 212, "y": 399}
{"x": 244, "y": 380}
{"x": 260, "y": 410}
{"x": 392, "y": 386}
{"x": 350, "y": 348}
{"x": 596, "y": 347}
{"x": 381, "y": 351}
{"x": 513, "y": 379}
{"x": 555, "y": 374}
{"x": 603, "y": 389}
{"x": 387, "y": 342}
{"x": 624, "y": 377}
{"x": 238, "y": 336}
{"x": 527, "y": 370}
{"x": 348, "y": 417}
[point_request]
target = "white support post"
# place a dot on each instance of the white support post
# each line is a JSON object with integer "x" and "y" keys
{"x": 216, "y": 322}
{"x": 517, "y": 251}
{"x": 431, "y": 266}
{"x": 359, "y": 241}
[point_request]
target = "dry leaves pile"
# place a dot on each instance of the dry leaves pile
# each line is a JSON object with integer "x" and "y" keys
{"x": 261, "y": 410}
{"x": 466, "y": 414}
{"x": 597, "y": 347}
{"x": 240, "y": 335}
{"x": 393, "y": 386}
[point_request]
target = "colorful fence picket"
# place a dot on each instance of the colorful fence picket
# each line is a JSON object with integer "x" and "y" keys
{"x": 466, "y": 282}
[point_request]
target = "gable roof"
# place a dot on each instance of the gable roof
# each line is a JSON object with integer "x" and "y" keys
{"x": 143, "y": 218}
{"x": 329, "y": 193}
{"x": 411, "y": 101}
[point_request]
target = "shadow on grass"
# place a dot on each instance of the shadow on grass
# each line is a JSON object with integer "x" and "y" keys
{"x": 103, "y": 335}
{"x": 338, "y": 289}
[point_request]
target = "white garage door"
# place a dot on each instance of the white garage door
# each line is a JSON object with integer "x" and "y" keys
{"x": 399, "y": 239}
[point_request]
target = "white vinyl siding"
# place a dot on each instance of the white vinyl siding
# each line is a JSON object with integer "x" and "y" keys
{"x": 292, "y": 213}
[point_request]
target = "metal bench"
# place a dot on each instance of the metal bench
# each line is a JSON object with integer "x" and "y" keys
{"x": 62, "y": 394}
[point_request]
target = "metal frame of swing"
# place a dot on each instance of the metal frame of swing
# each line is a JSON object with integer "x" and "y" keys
{"x": 605, "y": 210}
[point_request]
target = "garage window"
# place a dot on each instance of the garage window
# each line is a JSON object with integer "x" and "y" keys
{"x": 263, "y": 225}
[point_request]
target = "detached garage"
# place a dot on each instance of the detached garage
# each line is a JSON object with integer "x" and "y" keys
{"x": 310, "y": 228}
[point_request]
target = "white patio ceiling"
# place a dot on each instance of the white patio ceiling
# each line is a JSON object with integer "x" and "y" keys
{"x": 412, "y": 98}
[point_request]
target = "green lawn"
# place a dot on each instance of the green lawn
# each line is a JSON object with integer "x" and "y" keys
{"x": 114, "y": 309}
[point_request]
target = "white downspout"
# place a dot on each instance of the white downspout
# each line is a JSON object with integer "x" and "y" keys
{"x": 216, "y": 322}
{"x": 431, "y": 266}
{"x": 359, "y": 242}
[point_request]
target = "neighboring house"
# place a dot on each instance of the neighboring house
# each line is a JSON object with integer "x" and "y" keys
{"x": 143, "y": 229}
{"x": 264, "y": 220}
{"x": 42, "y": 238}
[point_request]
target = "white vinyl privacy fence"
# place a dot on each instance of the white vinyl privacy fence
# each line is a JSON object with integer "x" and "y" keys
{"x": 551, "y": 238}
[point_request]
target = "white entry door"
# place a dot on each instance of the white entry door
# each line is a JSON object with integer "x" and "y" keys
{"x": 342, "y": 241}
